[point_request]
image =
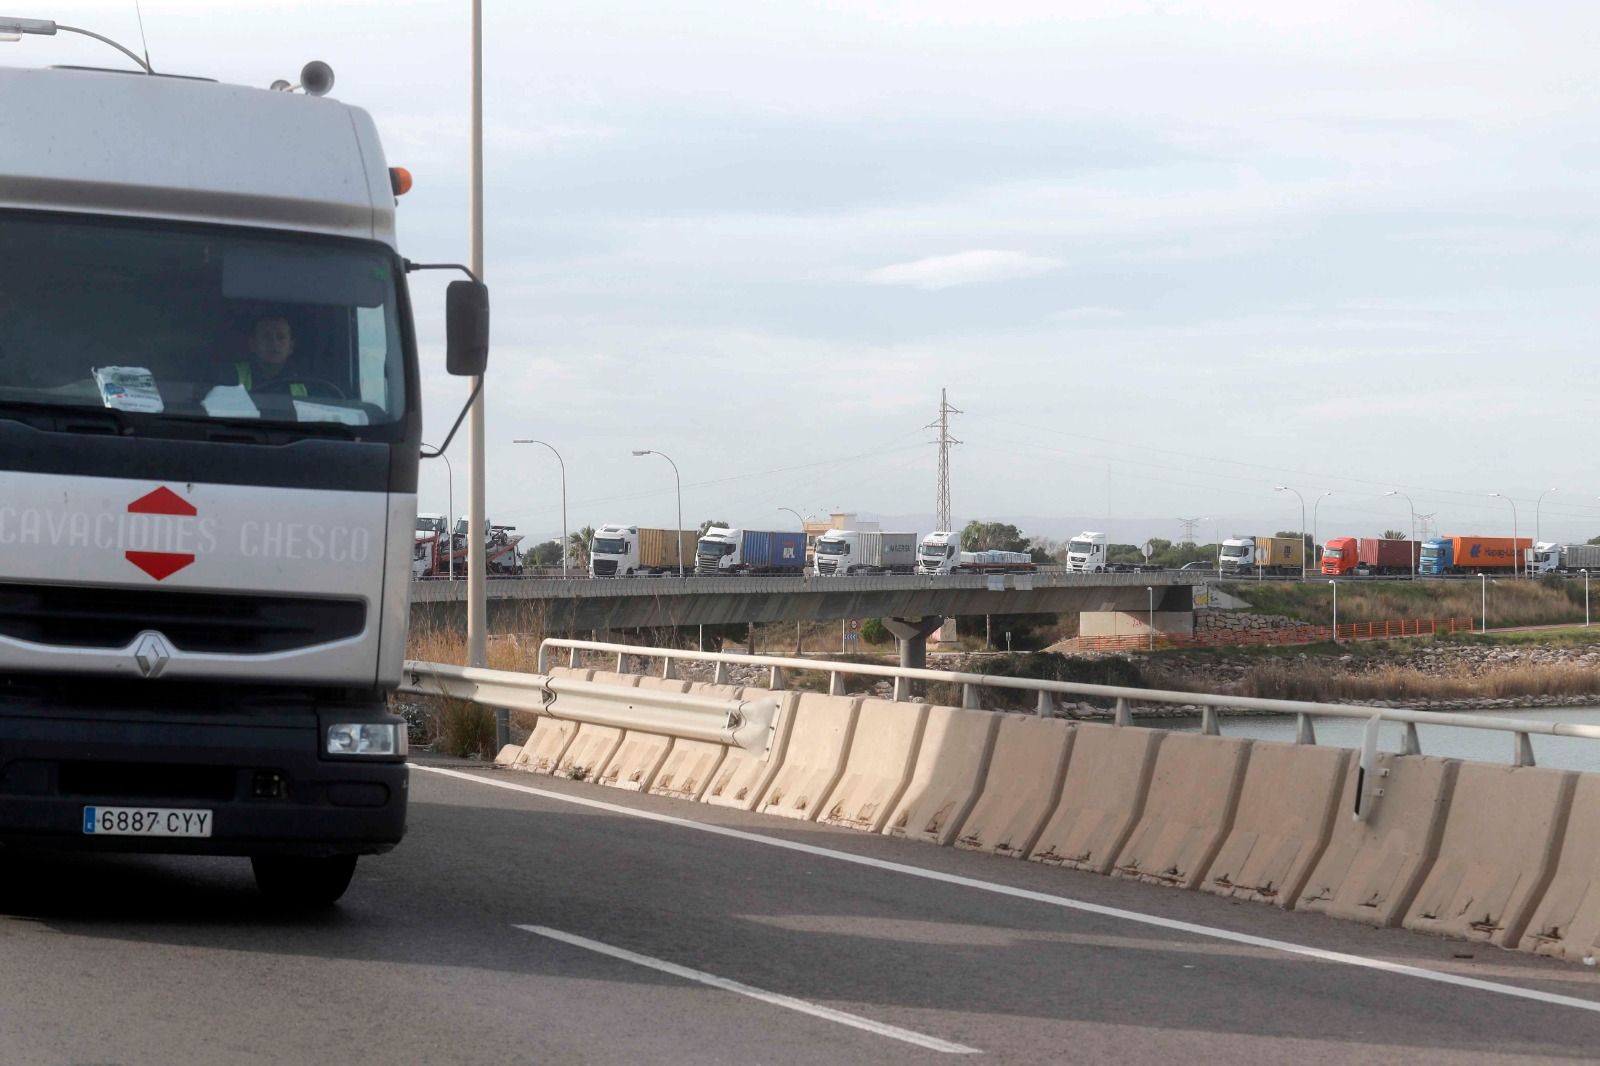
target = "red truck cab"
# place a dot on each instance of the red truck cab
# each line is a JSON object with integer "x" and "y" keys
{"x": 1339, "y": 556}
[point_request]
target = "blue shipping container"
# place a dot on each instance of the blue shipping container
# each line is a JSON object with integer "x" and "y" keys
{"x": 771, "y": 551}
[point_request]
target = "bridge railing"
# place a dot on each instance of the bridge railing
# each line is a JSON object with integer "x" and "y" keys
{"x": 1045, "y": 691}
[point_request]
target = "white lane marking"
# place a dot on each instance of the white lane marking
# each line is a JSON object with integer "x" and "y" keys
{"x": 1066, "y": 902}
{"x": 855, "y": 1021}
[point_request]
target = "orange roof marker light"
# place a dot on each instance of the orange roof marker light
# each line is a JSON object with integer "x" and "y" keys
{"x": 400, "y": 180}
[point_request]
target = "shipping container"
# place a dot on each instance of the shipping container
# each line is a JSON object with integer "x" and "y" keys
{"x": 1380, "y": 555}
{"x": 658, "y": 548}
{"x": 750, "y": 551}
{"x": 1471, "y": 555}
{"x": 851, "y": 551}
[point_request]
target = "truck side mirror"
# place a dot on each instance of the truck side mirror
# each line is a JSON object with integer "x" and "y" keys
{"x": 466, "y": 305}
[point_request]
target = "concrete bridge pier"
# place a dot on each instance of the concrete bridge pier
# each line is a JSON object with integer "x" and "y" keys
{"x": 912, "y": 636}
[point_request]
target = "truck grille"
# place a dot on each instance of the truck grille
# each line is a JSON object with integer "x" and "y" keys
{"x": 707, "y": 564}
{"x": 827, "y": 566}
{"x": 605, "y": 568}
{"x": 218, "y": 623}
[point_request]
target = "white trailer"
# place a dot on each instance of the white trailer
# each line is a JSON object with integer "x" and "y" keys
{"x": 857, "y": 551}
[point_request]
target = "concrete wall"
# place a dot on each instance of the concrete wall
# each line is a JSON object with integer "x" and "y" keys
{"x": 1134, "y": 623}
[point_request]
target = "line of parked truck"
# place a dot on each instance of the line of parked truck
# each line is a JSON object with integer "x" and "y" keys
{"x": 634, "y": 551}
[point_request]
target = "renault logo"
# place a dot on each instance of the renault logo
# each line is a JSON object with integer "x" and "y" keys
{"x": 151, "y": 654}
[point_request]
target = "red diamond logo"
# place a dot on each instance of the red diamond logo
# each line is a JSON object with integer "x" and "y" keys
{"x": 162, "y": 501}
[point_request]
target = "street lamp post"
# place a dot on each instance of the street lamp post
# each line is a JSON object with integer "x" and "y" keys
{"x": 1316, "y": 542}
{"x": 1302, "y": 499}
{"x": 796, "y": 514}
{"x": 1515, "y": 548}
{"x": 1536, "y": 505}
{"x": 1151, "y": 590}
{"x": 1586, "y": 599}
{"x": 678, "y": 485}
{"x": 1335, "y": 585}
{"x": 1415, "y": 547}
{"x": 565, "y": 547}
{"x": 450, "y": 519}
{"x": 1483, "y": 610}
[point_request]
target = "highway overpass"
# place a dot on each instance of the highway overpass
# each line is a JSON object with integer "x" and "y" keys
{"x": 587, "y": 604}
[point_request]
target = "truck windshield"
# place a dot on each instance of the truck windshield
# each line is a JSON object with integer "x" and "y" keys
{"x": 430, "y": 525}
{"x": 198, "y": 322}
{"x": 1081, "y": 547}
{"x": 832, "y": 547}
{"x": 1235, "y": 551}
{"x": 1430, "y": 553}
{"x": 1333, "y": 553}
{"x": 607, "y": 546}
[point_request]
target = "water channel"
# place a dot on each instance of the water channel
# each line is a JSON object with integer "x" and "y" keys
{"x": 1483, "y": 745}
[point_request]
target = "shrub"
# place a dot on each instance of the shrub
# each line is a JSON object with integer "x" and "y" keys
{"x": 466, "y": 729}
{"x": 872, "y": 631}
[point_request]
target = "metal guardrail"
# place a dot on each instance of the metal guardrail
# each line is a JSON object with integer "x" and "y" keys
{"x": 1210, "y": 703}
{"x": 746, "y": 724}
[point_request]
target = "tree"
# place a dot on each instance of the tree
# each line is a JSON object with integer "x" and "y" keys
{"x": 1393, "y": 534}
{"x": 578, "y": 547}
{"x": 708, "y": 523}
{"x": 993, "y": 536}
{"x": 546, "y": 554}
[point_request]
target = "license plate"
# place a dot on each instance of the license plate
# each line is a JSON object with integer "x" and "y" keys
{"x": 146, "y": 822}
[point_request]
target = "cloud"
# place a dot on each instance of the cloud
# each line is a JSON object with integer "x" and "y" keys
{"x": 1088, "y": 314}
{"x": 963, "y": 268}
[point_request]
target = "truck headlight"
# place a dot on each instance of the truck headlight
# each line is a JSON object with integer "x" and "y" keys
{"x": 366, "y": 738}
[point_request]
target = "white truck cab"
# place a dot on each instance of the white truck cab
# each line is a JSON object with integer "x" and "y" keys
{"x": 614, "y": 551}
{"x": 1086, "y": 553}
{"x": 205, "y": 555}
{"x": 939, "y": 553}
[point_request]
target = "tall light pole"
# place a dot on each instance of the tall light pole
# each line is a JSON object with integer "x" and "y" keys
{"x": 678, "y": 485}
{"x": 477, "y": 542}
{"x": 1335, "y": 585}
{"x": 565, "y": 547}
{"x": 1316, "y": 542}
{"x": 796, "y": 514}
{"x": 1586, "y": 599}
{"x": 1536, "y": 504}
{"x": 450, "y": 519}
{"x": 1483, "y": 611}
{"x": 1302, "y": 499}
{"x": 1515, "y": 549}
{"x": 1415, "y": 547}
{"x": 1152, "y": 591}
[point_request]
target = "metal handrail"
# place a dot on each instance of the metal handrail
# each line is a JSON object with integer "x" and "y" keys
{"x": 1304, "y": 710}
{"x": 747, "y": 724}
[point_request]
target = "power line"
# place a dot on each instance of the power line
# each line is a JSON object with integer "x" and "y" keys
{"x": 1188, "y": 525}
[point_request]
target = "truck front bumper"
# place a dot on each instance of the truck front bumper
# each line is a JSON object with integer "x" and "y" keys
{"x": 261, "y": 773}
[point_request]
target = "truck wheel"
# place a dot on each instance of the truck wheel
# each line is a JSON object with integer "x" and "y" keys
{"x": 629, "y": 574}
{"x": 301, "y": 883}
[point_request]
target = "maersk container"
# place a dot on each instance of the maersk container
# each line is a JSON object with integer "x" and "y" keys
{"x": 766, "y": 551}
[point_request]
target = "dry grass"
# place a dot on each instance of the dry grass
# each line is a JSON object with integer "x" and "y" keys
{"x": 1512, "y": 602}
{"x": 1319, "y": 682}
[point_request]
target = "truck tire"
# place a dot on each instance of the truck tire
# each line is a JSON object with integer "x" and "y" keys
{"x": 301, "y": 883}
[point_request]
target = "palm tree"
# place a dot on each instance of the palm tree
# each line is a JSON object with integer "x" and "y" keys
{"x": 578, "y": 547}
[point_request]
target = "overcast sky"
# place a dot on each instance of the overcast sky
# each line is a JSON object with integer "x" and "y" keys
{"x": 1164, "y": 255}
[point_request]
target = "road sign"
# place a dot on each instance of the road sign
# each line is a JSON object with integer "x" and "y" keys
{"x": 855, "y": 624}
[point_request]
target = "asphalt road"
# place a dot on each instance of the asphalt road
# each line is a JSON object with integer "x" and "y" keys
{"x": 532, "y": 927}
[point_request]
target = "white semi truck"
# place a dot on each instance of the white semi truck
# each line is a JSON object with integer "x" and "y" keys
{"x": 204, "y": 581}
{"x": 1547, "y": 557}
{"x": 858, "y": 551}
{"x": 1086, "y": 553}
{"x": 940, "y": 553}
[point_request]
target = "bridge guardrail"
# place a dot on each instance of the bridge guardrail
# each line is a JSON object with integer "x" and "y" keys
{"x": 746, "y": 724}
{"x": 1305, "y": 711}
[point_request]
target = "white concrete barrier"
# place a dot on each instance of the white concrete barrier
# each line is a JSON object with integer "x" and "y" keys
{"x": 1188, "y": 810}
{"x": 878, "y": 765}
{"x": 1022, "y": 787}
{"x": 742, "y": 777}
{"x": 1285, "y": 818}
{"x": 1566, "y": 923}
{"x": 690, "y": 764}
{"x": 1371, "y": 869}
{"x": 1497, "y": 853}
{"x": 814, "y": 761}
{"x": 950, "y": 767}
{"x": 1102, "y": 797}
{"x": 640, "y": 755}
